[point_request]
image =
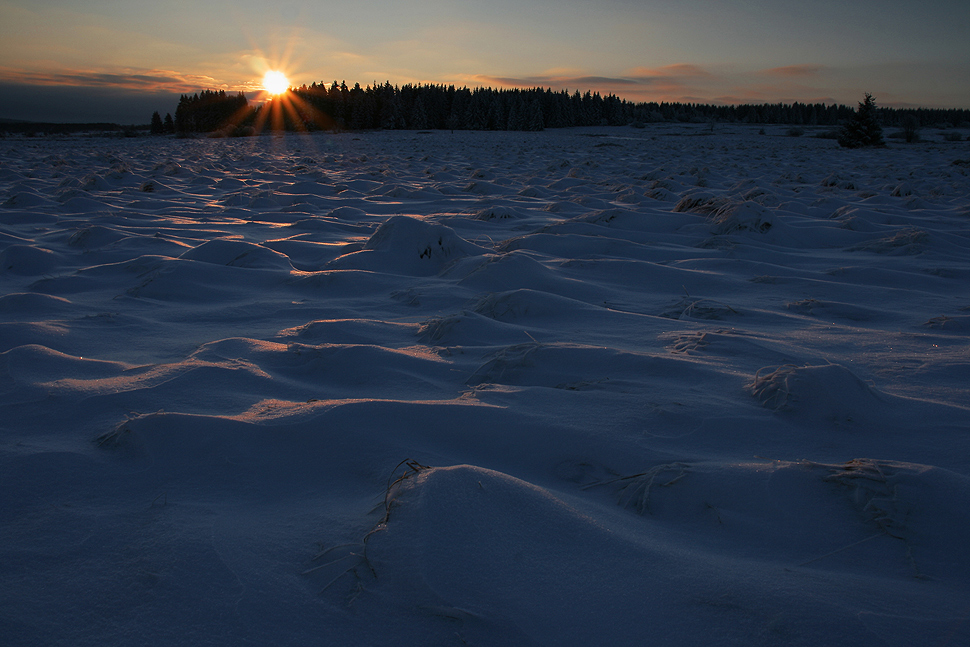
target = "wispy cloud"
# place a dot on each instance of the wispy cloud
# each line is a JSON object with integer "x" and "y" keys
{"x": 677, "y": 71}
{"x": 796, "y": 71}
{"x": 129, "y": 79}
{"x": 680, "y": 82}
{"x": 689, "y": 83}
{"x": 554, "y": 81}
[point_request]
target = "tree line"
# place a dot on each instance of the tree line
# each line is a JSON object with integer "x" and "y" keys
{"x": 439, "y": 107}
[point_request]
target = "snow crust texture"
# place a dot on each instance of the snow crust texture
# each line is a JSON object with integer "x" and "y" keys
{"x": 595, "y": 386}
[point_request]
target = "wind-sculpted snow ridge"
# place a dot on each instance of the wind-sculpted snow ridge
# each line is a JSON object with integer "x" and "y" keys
{"x": 589, "y": 386}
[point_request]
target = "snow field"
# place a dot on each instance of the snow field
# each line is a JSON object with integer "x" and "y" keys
{"x": 701, "y": 388}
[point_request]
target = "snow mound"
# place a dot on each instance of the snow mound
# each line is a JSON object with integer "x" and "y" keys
{"x": 906, "y": 242}
{"x": 848, "y": 311}
{"x": 347, "y": 213}
{"x": 307, "y": 188}
{"x": 701, "y": 202}
{"x": 518, "y": 270}
{"x": 32, "y": 305}
{"x": 902, "y": 190}
{"x": 28, "y": 260}
{"x": 743, "y": 216}
{"x": 829, "y": 391}
{"x": 622, "y": 218}
{"x": 528, "y": 304}
{"x": 237, "y": 253}
{"x": 26, "y": 199}
{"x": 83, "y": 205}
{"x": 405, "y": 245}
{"x": 95, "y": 236}
{"x": 498, "y": 213}
{"x": 451, "y": 543}
{"x": 922, "y": 505}
{"x": 95, "y": 182}
{"x": 34, "y": 364}
{"x": 955, "y": 324}
{"x": 483, "y": 188}
{"x": 690, "y": 308}
{"x": 180, "y": 441}
{"x": 570, "y": 367}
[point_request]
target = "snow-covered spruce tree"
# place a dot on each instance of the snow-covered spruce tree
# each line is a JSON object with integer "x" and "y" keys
{"x": 863, "y": 129}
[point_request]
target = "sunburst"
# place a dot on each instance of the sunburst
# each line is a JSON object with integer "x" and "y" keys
{"x": 279, "y": 103}
{"x": 275, "y": 83}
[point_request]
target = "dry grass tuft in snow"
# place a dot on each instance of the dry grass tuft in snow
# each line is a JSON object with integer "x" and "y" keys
{"x": 830, "y": 391}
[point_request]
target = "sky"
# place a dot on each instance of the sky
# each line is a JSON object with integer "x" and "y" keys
{"x": 120, "y": 60}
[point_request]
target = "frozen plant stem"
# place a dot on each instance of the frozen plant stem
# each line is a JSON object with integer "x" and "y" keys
{"x": 839, "y": 550}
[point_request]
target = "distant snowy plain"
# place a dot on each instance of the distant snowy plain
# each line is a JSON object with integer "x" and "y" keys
{"x": 601, "y": 386}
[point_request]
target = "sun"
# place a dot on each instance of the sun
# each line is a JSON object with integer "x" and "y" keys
{"x": 275, "y": 82}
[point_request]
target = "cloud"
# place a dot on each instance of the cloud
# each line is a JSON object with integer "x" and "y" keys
{"x": 562, "y": 81}
{"x": 126, "y": 95}
{"x": 130, "y": 79}
{"x": 668, "y": 83}
{"x": 797, "y": 71}
{"x": 676, "y": 71}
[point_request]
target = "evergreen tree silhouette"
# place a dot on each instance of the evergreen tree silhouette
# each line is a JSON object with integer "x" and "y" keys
{"x": 157, "y": 127}
{"x": 494, "y": 120}
{"x": 419, "y": 116}
{"x": 534, "y": 121}
{"x": 476, "y": 116}
{"x": 863, "y": 130}
{"x": 208, "y": 111}
{"x": 516, "y": 120}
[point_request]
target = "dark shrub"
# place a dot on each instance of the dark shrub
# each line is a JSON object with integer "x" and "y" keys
{"x": 910, "y": 129}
